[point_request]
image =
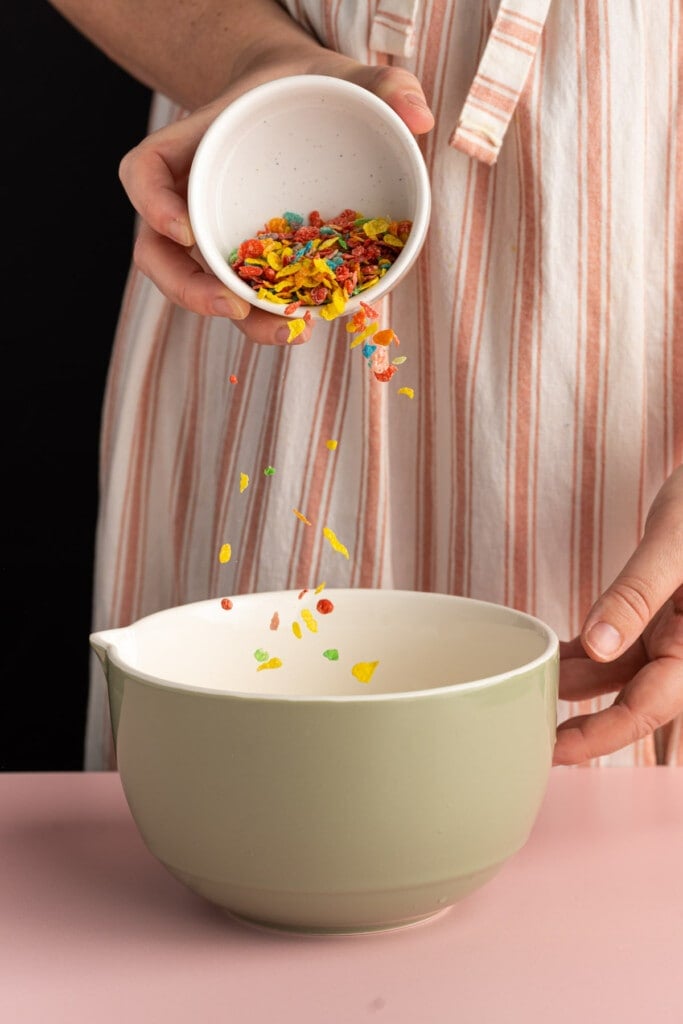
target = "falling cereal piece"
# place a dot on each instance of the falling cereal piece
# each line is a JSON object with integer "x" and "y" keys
{"x": 321, "y": 586}
{"x": 384, "y": 337}
{"x": 244, "y": 482}
{"x": 275, "y": 621}
{"x": 331, "y": 445}
{"x": 302, "y": 593}
{"x": 332, "y": 654}
{"x": 232, "y": 378}
{"x": 260, "y": 654}
{"x": 369, "y": 311}
{"x": 363, "y": 670}
{"x": 225, "y": 554}
{"x": 337, "y": 545}
{"x": 398, "y": 360}
{"x": 226, "y": 603}
{"x": 272, "y": 663}
{"x": 302, "y": 517}
{"x": 296, "y": 327}
{"x": 309, "y": 619}
{"x": 324, "y": 606}
{"x": 410, "y": 392}
{"x": 269, "y": 471}
{"x": 385, "y": 375}
{"x": 296, "y": 630}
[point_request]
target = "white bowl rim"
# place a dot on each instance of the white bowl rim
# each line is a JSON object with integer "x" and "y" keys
{"x": 107, "y": 639}
{"x": 421, "y": 217}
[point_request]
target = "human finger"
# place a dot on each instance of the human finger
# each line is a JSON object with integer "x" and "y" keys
{"x": 647, "y": 581}
{"x": 154, "y": 176}
{"x": 581, "y": 677}
{"x": 180, "y": 274}
{"x": 182, "y": 279}
{"x": 652, "y": 698}
{"x": 401, "y": 90}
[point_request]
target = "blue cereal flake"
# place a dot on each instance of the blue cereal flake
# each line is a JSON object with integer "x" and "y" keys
{"x": 295, "y": 219}
{"x": 368, "y": 349}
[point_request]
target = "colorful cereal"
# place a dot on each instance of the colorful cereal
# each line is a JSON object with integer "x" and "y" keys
{"x": 323, "y": 263}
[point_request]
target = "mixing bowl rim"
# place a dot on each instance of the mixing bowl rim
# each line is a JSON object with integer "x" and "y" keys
{"x": 106, "y": 639}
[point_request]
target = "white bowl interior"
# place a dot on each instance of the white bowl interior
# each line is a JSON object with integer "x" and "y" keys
{"x": 420, "y": 640}
{"x": 299, "y": 144}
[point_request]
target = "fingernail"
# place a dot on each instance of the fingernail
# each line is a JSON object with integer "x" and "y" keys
{"x": 222, "y": 306}
{"x": 604, "y": 639}
{"x": 180, "y": 232}
{"x": 416, "y": 100}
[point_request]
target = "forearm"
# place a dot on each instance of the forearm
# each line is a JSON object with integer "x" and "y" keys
{"x": 190, "y": 51}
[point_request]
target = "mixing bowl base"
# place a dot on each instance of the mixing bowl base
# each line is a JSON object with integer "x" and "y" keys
{"x": 333, "y": 933}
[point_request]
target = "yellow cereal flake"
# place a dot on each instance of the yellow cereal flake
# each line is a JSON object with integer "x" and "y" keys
{"x": 337, "y": 545}
{"x": 225, "y": 554}
{"x": 410, "y": 392}
{"x": 271, "y": 663}
{"x": 376, "y": 226}
{"x": 244, "y": 482}
{"x": 363, "y": 670}
{"x": 398, "y": 360}
{"x": 309, "y": 619}
{"x": 302, "y": 517}
{"x": 296, "y": 327}
{"x": 296, "y": 630}
{"x": 320, "y": 587}
{"x": 331, "y": 445}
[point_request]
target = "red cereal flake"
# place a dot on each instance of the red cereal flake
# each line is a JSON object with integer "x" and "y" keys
{"x": 226, "y": 603}
{"x": 369, "y": 310}
{"x": 232, "y": 378}
{"x": 385, "y": 375}
{"x": 249, "y": 273}
{"x": 252, "y": 249}
{"x": 303, "y": 593}
{"x": 324, "y": 606}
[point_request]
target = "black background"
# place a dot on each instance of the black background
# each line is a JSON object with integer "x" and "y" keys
{"x": 69, "y": 114}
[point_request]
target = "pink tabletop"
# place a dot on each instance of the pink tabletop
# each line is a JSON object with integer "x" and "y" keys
{"x": 584, "y": 924}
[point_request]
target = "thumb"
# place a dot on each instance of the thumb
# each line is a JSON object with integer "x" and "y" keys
{"x": 647, "y": 581}
{"x": 401, "y": 90}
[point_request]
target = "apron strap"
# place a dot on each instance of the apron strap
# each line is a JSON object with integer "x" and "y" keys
{"x": 393, "y": 27}
{"x": 498, "y": 83}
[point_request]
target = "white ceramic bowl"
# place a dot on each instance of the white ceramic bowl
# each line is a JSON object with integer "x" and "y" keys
{"x": 301, "y": 797}
{"x": 310, "y": 142}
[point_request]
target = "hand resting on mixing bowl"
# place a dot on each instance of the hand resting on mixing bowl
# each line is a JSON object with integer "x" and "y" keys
{"x": 631, "y": 642}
